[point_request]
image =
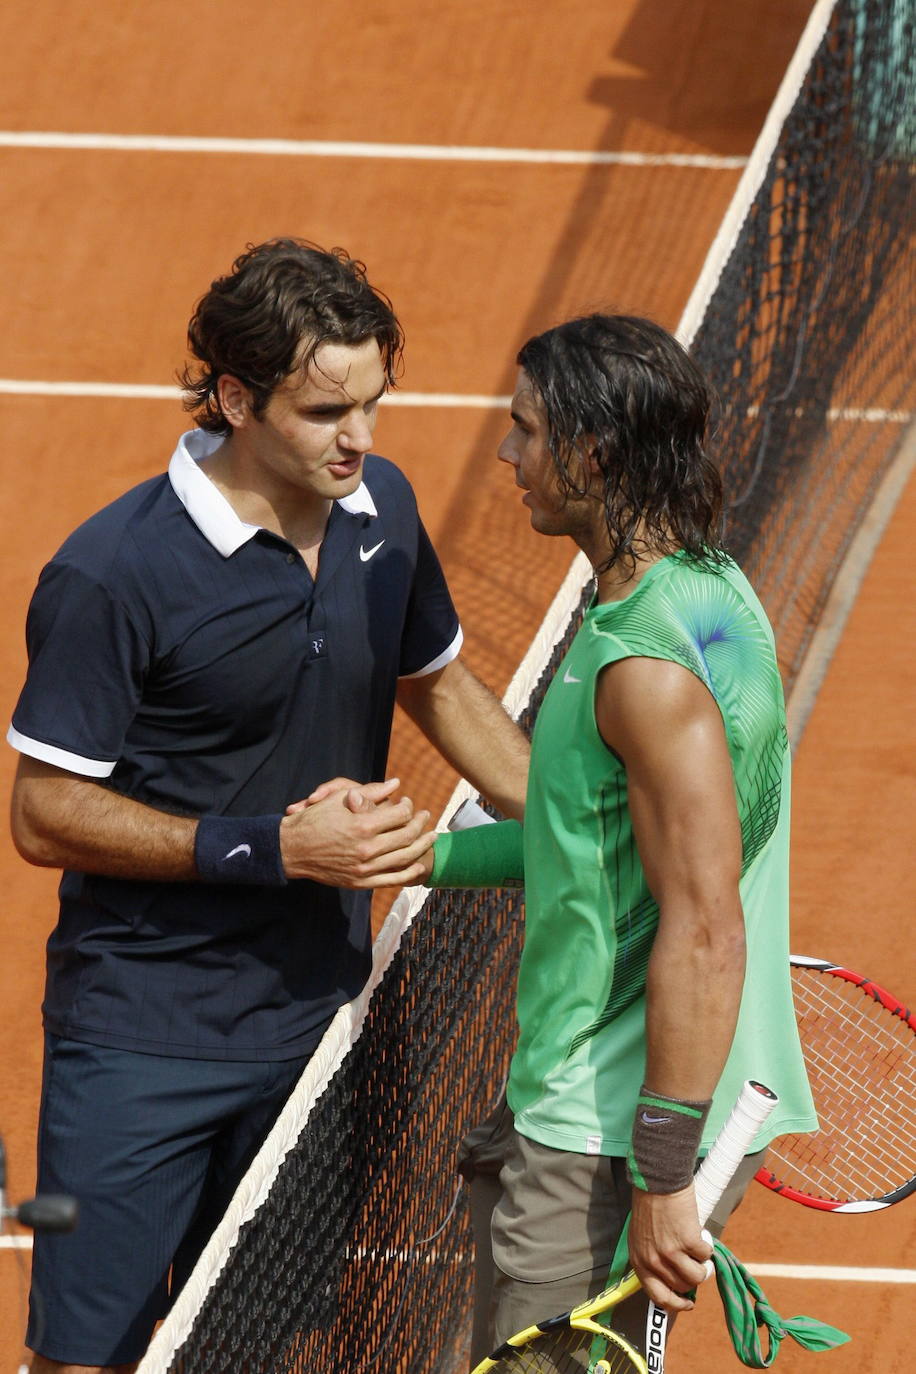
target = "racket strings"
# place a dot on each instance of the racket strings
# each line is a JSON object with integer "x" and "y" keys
{"x": 570, "y": 1352}
{"x": 862, "y": 1069}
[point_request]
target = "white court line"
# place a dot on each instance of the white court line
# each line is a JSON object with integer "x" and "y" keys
{"x": 426, "y": 152}
{"x": 870, "y": 414}
{"x": 815, "y": 1273}
{"x": 137, "y": 392}
{"x": 829, "y": 1273}
{"x": 812, "y": 1273}
{"x": 842, "y": 595}
{"x": 444, "y": 398}
{"x": 125, "y": 390}
{"x": 11, "y": 386}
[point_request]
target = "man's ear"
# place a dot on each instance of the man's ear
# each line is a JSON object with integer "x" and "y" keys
{"x": 234, "y": 400}
{"x": 589, "y": 455}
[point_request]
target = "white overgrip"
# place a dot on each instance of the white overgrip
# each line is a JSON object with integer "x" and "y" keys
{"x": 754, "y": 1104}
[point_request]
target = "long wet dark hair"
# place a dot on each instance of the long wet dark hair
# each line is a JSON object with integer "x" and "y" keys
{"x": 281, "y": 301}
{"x": 623, "y": 390}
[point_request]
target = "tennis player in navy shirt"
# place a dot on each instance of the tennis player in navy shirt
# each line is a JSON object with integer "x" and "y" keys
{"x": 220, "y": 642}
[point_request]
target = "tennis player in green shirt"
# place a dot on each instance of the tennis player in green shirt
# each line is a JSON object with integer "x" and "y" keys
{"x": 655, "y": 849}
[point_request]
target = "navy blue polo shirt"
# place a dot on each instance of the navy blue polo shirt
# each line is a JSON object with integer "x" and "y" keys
{"x": 190, "y": 661}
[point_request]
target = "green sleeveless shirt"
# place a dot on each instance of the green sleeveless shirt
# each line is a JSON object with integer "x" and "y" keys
{"x": 590, "y": 918}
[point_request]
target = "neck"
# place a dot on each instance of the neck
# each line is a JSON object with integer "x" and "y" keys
{"x": 297, "y": 516}
{"x": 617, "y": 582}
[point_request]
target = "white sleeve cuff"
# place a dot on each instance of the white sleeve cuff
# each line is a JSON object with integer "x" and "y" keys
{"x": 440, "y": 660}
{"x": 59, "y": 758}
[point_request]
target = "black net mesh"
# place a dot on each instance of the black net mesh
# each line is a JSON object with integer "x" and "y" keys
{"x": 361, "y": 1257}
{"x": 809, "y": 336}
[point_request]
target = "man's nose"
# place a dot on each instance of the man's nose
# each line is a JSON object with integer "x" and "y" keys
{"x": 357, "y": 433}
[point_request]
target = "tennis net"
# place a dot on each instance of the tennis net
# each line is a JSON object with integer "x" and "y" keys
{"x": 348, "y": 1243}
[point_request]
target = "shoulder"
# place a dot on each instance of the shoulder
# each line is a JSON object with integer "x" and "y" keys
{"x": 658, "y": 718}
{"x": 644, "y": 693}
{"x": 110, "y": 560}
{"x": 688, "y": 611}
{"x": 103, "y": 537}
{"x": 694, "y": 590}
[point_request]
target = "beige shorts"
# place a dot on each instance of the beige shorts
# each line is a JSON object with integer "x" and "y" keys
{"x": 546, "y": 1224}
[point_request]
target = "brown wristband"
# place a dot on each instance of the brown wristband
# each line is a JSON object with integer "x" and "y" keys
{"x": 666, "y": 1138}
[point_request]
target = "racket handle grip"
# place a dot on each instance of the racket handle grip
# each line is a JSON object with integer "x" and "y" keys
{"x": 754, "y": 1105}
{"x": 469, "y": 815}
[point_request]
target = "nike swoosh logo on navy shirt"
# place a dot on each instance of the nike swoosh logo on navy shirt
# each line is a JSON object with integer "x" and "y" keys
{"x": 568, "y": 677}
{"x": 239, "y": 849}
{"x": 366, "y": 554}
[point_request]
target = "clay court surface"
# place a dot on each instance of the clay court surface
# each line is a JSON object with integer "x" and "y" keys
{"x": 105, "y": 250}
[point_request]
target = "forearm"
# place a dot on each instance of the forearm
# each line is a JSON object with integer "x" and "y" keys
{"x": 694, "y": 986}
{"x": 471, "y": 729}
{"x": 69, "y": 822}
{"x": 693, "y": 992}
{"x": 60, "y": 820}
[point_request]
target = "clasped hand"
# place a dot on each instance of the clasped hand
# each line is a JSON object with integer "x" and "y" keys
{"x": 349, "y": 834}
{"x": 667, "y": 1249}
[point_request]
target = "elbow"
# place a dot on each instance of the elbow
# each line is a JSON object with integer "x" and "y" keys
{"x": 711, "y": 933}
{"x": 32, "y": 839}
{"x": 733, "y": 952}
{"x": 726, "y": 942}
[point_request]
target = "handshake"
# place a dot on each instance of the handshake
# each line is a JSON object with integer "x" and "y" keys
{"x": 358, "y": 835}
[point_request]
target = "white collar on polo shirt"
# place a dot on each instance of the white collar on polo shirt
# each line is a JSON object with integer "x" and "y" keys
{"x": 208, "y": 507}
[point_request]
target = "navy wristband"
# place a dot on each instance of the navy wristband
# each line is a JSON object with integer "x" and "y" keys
{"x": 239, "y": 849}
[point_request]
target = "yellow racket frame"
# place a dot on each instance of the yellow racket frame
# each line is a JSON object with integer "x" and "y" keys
{"x": 579, "y": 1319}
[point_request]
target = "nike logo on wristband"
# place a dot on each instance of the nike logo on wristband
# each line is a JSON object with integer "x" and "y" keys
{"x": 366, "y": 554}
{"x": 648, "y": 1120}
{"x": 239, "y": 849}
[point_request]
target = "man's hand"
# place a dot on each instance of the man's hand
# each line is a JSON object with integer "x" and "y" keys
{"x": 349, "y": 834}
{"x": 667, "y": 1250}
{"x": 367, "y": 794}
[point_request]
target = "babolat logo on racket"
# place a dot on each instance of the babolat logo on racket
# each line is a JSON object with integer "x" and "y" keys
{"x": 656, "y": 1333}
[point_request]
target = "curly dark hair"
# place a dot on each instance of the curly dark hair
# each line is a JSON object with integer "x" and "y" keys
{"x": 623, "y": 388}
{"x": 281, "y": 301}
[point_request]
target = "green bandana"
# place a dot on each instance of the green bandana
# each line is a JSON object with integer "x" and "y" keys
{"x": 747, "y": 1309}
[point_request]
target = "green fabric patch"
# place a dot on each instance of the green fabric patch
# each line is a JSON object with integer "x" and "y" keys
{"x": 747, "y": 1310}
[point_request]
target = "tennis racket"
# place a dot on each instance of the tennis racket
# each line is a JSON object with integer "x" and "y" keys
{"x": 577, "y": 1341}
{"x": 859, "y": 1044}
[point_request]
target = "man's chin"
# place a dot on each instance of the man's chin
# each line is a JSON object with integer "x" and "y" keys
{"x": 542, "y": 523}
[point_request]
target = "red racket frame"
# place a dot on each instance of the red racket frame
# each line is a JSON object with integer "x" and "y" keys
{"x": 897, "y": 1008}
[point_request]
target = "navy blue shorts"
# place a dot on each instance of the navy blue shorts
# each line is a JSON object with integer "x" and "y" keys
{"x": 152, "y": 1148}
